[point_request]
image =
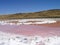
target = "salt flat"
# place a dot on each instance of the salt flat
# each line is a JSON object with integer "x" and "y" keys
{"x": 29, "y": 21}
{"x": 46, "y": 33}
{"x": 14, "y": 39}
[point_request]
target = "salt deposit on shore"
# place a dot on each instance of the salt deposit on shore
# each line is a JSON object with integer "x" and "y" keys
{"x": 13, "y": 32}
{"x": 27, "y": 21}
{"x": 13, "y": 39}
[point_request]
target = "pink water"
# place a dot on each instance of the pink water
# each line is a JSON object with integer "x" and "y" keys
{"x": 30, "y": 30}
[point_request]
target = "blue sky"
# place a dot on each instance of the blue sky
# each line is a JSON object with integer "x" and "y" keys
{"x": 24, "y": 6}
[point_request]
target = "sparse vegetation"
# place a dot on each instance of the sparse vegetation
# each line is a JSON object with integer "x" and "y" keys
{"x": 54, "y": 13}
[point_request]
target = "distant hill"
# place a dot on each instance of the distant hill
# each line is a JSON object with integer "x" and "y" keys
{"x": 53, "y": 13}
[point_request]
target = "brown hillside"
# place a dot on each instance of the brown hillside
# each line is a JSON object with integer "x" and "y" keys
{"x": 54, "y": 13}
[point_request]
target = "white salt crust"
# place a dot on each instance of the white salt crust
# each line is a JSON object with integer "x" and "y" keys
{"x": 15, "y": 39}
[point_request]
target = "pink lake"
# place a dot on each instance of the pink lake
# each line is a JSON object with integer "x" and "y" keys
{"x": 31, "y": 30}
